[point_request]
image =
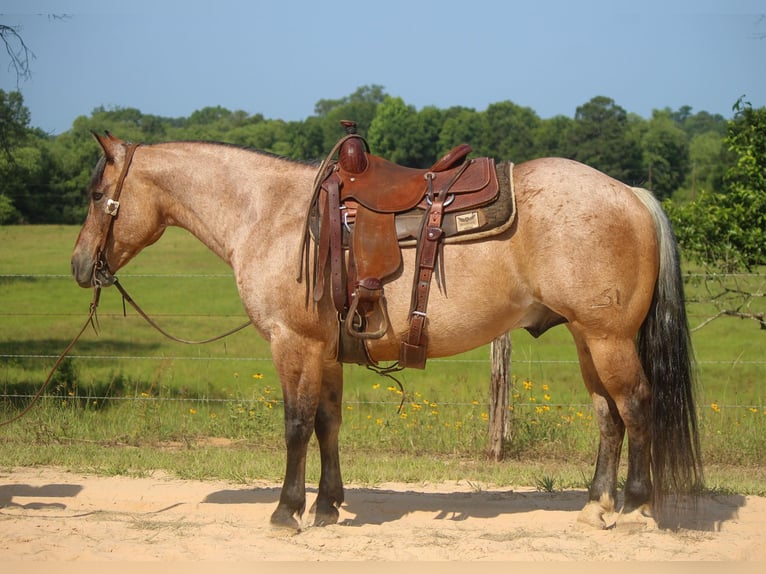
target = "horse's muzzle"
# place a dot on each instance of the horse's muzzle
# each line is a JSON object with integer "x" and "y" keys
{"x": 89, "y": 274}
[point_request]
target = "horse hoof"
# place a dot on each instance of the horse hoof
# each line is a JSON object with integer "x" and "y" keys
{"x": 285, "y": 520}
{"x": 592, "y": 516}
{"x": 327, "y": 517}
{"x": 640, "y": 517}
{"x": 324, "y": 514}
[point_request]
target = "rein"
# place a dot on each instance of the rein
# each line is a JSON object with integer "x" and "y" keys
{"x": 126, "y": 297}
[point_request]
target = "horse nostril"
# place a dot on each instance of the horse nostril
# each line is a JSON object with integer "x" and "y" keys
{"x": 83, "y": 280}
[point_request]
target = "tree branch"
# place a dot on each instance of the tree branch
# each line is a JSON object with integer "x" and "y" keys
{"x": 18, "y": 52}
{"x": 736, "y": 301}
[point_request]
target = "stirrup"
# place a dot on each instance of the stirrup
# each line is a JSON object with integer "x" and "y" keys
{"x": 360, "y": 333}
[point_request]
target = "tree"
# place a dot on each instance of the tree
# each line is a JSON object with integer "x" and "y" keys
{"x": 359, "y": 107}
{"x": 306, "y": 140}
{"x": 17, "y": 50}
{"x": 666, "y": 154}
{"x": 14, "y": 132}
{"x": 509, "y": 132}
{"x": 551, "y": 137}
{"x": 14, "y": 121}
{"x": 460, "y": 125}
{"x": 391, "y": 133}
{"x": 725, "y": 231}
{"x": 601, "y": 136}
{"x": 746, "y": 182}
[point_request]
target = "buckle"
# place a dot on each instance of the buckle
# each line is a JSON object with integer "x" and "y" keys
{"x": 111, "y": 207}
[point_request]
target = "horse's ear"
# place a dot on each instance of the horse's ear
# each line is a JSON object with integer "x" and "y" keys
{"x": 110, "y": 144}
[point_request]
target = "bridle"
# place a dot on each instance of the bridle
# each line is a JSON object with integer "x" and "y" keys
{"x": 101, "y": 274}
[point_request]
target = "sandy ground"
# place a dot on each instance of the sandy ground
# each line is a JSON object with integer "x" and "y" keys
{"x": 47, "y": 514}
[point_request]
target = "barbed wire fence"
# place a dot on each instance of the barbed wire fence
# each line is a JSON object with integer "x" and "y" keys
{"x": 485, "y": 363}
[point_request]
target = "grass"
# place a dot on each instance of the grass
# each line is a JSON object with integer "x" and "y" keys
{"x": 131, "y": 402}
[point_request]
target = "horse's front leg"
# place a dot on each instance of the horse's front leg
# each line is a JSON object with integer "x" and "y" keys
{"x": 327, "y": 426}
{"x": 298, "y": 362}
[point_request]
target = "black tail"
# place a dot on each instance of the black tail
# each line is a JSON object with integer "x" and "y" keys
{"x": 664, "y": 347}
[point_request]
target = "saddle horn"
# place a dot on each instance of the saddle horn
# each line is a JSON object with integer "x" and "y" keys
{"x": 351, "y": 155}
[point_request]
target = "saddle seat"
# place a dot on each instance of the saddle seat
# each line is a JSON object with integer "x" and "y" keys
{"x": 369, "y": 192}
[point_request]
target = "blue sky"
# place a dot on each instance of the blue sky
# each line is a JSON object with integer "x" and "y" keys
{"x": 278, "y": 58}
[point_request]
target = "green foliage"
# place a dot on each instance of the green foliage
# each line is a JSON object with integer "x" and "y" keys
{"x": 674, "y": 153}
{"x": 402, "y": 134}
{"x": 8, "y": 212}
{"x": 725, "y": 230}
{"x": 509, "y": 132}
{"x": 14, "y": 121}
{"x": 601, "y": 136}
{"x": 666, "y": 154}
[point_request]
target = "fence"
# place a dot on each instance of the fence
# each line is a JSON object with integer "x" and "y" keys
{"x": 741, "y": 359}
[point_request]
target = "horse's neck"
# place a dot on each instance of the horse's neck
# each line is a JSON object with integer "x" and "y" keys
{"x": 223, "y": 194}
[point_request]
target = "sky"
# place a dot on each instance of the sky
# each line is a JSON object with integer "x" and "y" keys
{"x": 279, "y": 58}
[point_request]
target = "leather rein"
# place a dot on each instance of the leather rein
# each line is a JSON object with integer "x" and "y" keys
{"x": 102, "y": 277}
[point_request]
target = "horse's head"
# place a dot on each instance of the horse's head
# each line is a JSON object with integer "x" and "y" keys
{"x": 122, "y": 217}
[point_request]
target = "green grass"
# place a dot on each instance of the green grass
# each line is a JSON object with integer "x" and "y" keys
{"x": 130, "y": 401}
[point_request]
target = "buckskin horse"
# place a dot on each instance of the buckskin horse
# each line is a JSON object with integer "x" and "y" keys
{"x": 584, "y": 250}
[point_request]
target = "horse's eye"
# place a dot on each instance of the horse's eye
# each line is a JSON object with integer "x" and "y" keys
{"x": 97, "y": 195}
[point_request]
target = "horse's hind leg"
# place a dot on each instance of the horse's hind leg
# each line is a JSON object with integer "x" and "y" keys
{"x": 327, "y": 426}
{"x": 622, "y": 401}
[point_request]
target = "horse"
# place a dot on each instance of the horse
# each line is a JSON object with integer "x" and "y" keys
{"x": 585, "y": 251}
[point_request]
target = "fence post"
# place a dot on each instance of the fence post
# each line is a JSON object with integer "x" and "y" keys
{"x": 499, "y": 392}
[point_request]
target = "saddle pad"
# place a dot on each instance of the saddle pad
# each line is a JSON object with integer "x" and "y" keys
{"x": 469, "y": 225}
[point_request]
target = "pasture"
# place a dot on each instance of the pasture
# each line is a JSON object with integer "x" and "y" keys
{"x": 129, "y": 401}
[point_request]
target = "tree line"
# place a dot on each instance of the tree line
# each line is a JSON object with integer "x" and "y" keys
{"x": 689, "y": 159}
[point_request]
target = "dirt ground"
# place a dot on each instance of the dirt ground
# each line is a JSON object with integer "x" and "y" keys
{"x": 47, "y": 514}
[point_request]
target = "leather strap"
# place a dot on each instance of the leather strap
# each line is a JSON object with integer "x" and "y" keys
{"x": 336, "y": 249}
{"x": 413, "y": 351}
{"x": 112, "y": 207}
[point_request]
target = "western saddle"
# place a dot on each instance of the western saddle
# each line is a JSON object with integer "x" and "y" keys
{"x": 353, "y": 217}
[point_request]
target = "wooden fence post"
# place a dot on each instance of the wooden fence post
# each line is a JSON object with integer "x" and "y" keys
{"x": 499, "y": 393}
